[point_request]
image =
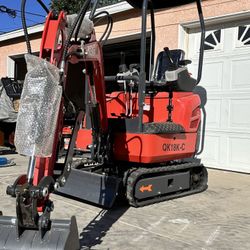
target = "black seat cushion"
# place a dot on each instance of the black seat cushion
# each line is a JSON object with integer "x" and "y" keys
{"x": 163, "y": 62}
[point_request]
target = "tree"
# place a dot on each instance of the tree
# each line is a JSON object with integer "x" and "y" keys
{"x": 73, "y": 6}
{"x": 70, "y": 6}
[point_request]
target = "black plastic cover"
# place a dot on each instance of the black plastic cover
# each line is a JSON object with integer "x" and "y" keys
{"x": 12, "y": 87}
{"x": 159, "y": 4}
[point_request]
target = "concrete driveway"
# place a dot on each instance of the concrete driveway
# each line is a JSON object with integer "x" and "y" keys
{"x": 219, "y": 218}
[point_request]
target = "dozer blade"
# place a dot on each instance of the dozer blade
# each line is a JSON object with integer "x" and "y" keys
{"x": 95, "y": 188}
{"x": 62, "y": 235}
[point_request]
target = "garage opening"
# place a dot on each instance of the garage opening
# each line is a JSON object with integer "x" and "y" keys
{"x": 131, "y": 49}
{"x": 20, "y": 68}
{"x": 111, "y": 53}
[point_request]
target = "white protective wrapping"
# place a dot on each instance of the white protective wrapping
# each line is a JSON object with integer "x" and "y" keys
{"x": 39, "y": 106}
{"x": 86, "y": 28}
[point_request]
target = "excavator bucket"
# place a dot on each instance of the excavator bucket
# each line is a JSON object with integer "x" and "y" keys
{"x": 63, "y": 235}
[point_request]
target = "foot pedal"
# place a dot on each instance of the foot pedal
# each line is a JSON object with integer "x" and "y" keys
{"x": 162, "y": 128}
{"x": 62, "y": 235}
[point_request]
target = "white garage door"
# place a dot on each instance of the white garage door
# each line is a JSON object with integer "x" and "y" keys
{"x": 226, "y": 78}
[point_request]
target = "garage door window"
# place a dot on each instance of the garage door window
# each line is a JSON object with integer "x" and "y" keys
{"x": 244, "y": 35}
{"x": 213, "y": 40}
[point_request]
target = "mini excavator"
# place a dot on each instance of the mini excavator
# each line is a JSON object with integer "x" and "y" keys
{"x": 137, "y": 140}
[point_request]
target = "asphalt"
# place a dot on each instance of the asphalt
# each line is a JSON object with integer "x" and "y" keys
{"x": 218, "y": 218}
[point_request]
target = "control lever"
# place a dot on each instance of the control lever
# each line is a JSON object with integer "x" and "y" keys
{"x": 122, "y": 66}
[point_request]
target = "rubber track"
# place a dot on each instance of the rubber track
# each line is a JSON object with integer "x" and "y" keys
{"x": 136, "y": 174}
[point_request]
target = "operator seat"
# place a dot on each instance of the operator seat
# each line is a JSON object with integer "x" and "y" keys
{"x": 163, "y": 62}
{"x": 171, "y": 71}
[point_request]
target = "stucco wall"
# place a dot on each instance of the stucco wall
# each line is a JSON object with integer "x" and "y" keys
{"x": 167, "y": 21}
{"x": 125, "y": 23}
{"x": 15, "y": 47}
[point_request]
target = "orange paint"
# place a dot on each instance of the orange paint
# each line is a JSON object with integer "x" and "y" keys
{"x": 147, "y": 188}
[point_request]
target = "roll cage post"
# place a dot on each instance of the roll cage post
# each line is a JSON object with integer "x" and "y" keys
{"x": 142, "y": 76}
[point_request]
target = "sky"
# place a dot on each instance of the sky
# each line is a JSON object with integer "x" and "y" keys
{"x": 8, "y": 23}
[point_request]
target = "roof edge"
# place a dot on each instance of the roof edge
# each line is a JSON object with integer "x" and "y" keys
{"x": 112, "y": 9}
{"x": 222, "y": 19}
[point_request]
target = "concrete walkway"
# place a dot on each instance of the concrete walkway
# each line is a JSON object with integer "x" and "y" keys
{"x": 217, "y": 219}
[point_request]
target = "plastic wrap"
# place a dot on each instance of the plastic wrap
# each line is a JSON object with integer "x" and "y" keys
{"x": 39, "y": 106}
{"x": 7, "y": 112}
{"x": 86, "y": 28}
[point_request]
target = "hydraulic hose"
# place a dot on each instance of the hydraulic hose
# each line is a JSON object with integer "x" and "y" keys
{"x": 43, "y": 6}
{"x": 79, "y": 26}
{"x": 94, "y": 7}
{"x": 24, "y": 24}
{"x": 25, "y": 30}
{"x": 79, "y": 17}
{"x": 109, "y": 26}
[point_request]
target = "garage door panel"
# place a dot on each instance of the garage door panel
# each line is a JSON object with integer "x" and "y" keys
{"x": 240, "y": 73}
{"x": 227, "y": 152}
{"x": 214, "y": 80}
{"x": 213, "y": 111}
{"x": 239, "y": 154}
{"x": 239, "y": 110}
{"x": 210, "y": 81}
{"x": 210, "y": 154}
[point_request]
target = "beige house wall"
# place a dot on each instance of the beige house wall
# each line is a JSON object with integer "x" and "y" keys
{"x": 129, "y": 22}
{"x": 15, "y": 47}
{"x": 167, "y": 21}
